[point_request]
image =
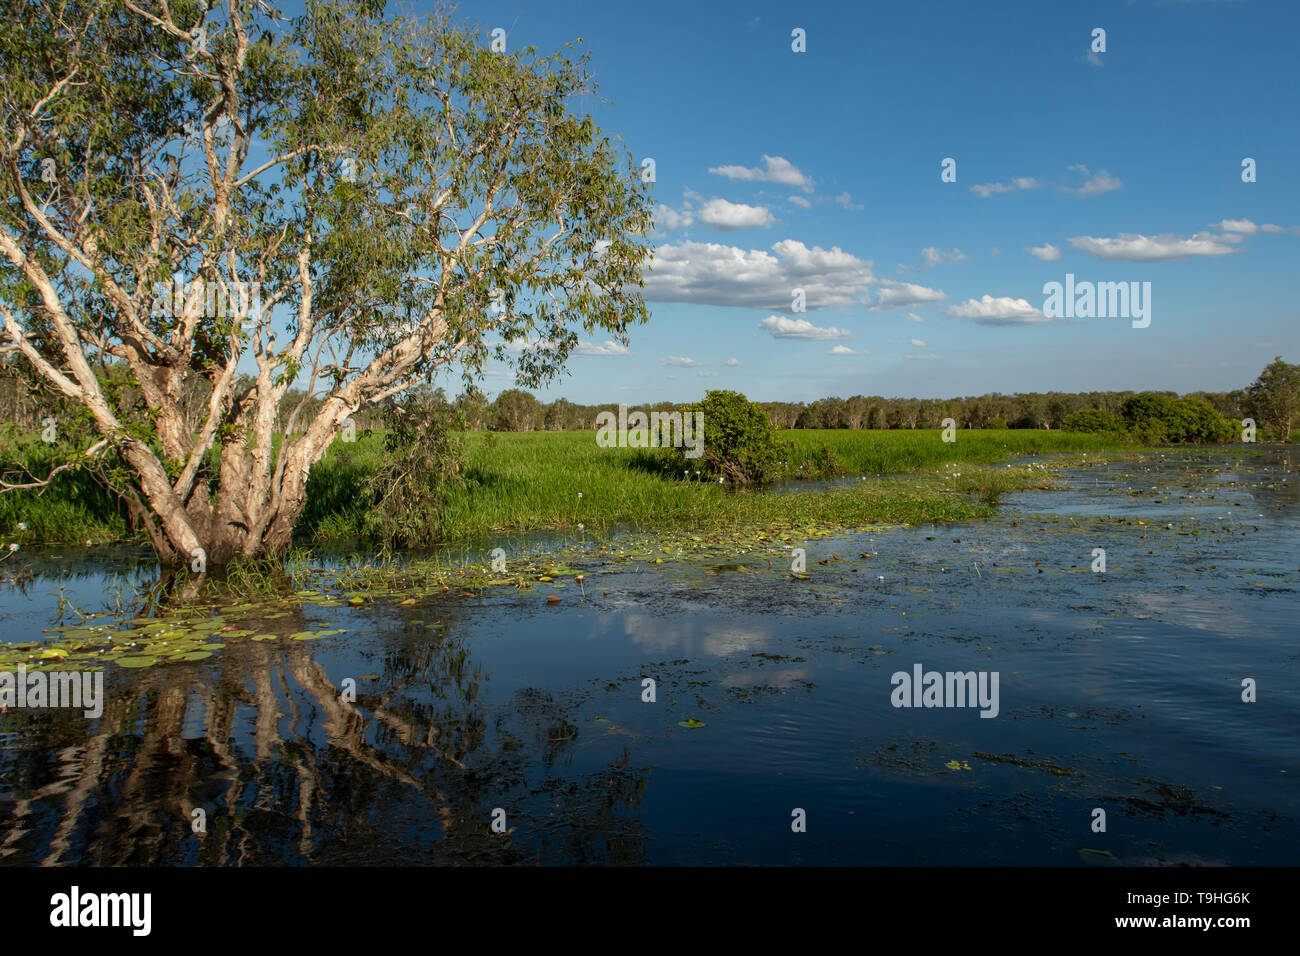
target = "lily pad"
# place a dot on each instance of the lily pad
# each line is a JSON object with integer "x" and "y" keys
{"x": 692, "y": 723}
{"x": 137, "y": 661}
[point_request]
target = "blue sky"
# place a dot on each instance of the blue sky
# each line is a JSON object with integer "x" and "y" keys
{"x": 821, "y": 170}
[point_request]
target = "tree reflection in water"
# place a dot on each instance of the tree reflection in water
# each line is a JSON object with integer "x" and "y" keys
{"x": 288, "y": 772}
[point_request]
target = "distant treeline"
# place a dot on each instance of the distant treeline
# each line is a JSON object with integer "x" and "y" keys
{"x": 517, "y": 410}
{"x": 25, "y": 404}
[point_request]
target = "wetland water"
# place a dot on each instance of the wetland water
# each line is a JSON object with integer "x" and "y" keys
{"x": 1120, "y": 690}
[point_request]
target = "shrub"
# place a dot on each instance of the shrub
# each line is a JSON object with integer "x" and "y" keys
{"x": 1196, "y": 421}
{"x": 740, "y": 442}
{"x": 423, "y": 466}
{"x": 995, "y": 423}
{"x": 1092, "y": 420}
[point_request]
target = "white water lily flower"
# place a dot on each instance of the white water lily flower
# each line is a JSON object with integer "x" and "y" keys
{"x": 22, "y": 526}
{"x": 580, "y": 494}
{"x": 13, "y": 547}
{"x": 582, "y": 527}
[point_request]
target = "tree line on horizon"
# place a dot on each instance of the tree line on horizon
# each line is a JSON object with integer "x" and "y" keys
{"x": 1272, "y": 400}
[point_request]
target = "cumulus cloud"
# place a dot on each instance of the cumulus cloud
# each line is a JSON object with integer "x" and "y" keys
{"x": 915, "y": 343}
{"x": 1095, "y": 183}
{"x": 985, "y": 190}
{"x": 678, "y": 361}
{"x": 1003, "y": 310}
{"x": 782, "y": 328}
{"x": 1244, "y": 226}
{"x": 1134, "y": 247}
{"x": 608, "y": 347}
{"x": 845, "y": 350}
{"x": 898, "y": 295}
{"x": 775, "y": 169}
{"x": 732, "y": 362}
{"x": 913, "y": 317}
{"x": 667, "y": 219}
{"x": 845, "y": 200}
{"x": 1047, "y": 252}
{"x": 934, "y": 255}
{"x": 709, "y": 273}
{"x": 721, "y": 214}
{"x": 801, "y": 202}
{"x": 1271, "y": 227}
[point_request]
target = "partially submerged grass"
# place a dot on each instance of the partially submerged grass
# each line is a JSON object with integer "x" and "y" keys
{"x": 558, "y": 480}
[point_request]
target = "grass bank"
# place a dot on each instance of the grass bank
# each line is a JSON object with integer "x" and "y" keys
{"x": 560, "y": 480}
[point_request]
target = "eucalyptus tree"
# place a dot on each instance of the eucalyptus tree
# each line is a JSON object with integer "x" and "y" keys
{"x": 343, "y": 201}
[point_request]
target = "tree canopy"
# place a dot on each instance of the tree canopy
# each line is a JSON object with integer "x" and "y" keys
{"x": 342, "y": 202}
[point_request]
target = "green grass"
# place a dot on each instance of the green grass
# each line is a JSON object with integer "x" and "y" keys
{"x": 558, "y": 480}
{"x": 74, "y": 508}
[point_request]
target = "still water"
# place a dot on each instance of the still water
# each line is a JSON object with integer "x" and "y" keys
{"x": 1120, "y": 691}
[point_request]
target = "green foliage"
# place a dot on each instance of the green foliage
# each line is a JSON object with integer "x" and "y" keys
{"x": 995, "y": 423}
{"x": 1156, "y": 419}
{"x": 1274, "y": 398}
{"x": 1092, "y": 420}
{"x": 741, "y": 445}
{"x": 422, "y": 468}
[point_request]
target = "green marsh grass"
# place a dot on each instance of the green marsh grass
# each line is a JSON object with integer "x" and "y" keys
{"x": 526, "y": 481}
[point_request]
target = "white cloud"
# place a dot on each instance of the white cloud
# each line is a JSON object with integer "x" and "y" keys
{"x": 1047, "y": 252}
{"x": 732, "y": 362}
{"x": 678, "y": 361}
{"x": 898, "y": 295}
{"x": 709, "y": 273}
{"x": 913, "y": 317}
{"x": 775, "y": 169}
{"x": 801, "y": 202}
{"x": 1095, "y": 183}
{"x": 845, "y": 350}
{"x": 1244, "y": 226}
{"x": 1164, "y": 248}
{"x": 704, "y": 373}
{"x": 845, "y": 200}
{"x": 1271, "y": 227}
{"x": 934, "y": 255}
{"x": 782, "y": 328}
{"x": 1000, "y": 311}
{"x": 1094, "y": 59}
{"x": 609, "y": 347}
{"x": 985, "y": 190}
{"x": 668, "y": 219}
{"x": 915, "y": 343}
{"x": 721, "y": 214}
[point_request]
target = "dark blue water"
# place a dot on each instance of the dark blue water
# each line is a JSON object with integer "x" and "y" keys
{"x": 1119, "y": 691}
